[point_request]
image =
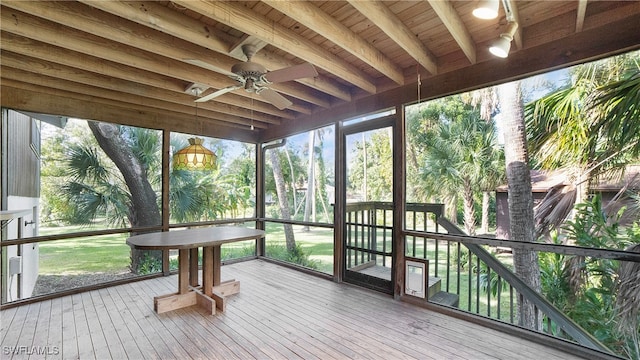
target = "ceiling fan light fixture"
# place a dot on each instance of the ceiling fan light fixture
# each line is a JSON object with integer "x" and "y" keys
{"x": 502, "y": 45}
{"x": 487, "y": 9}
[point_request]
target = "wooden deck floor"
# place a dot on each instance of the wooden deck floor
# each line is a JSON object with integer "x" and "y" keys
{"x": 279, "y": 314}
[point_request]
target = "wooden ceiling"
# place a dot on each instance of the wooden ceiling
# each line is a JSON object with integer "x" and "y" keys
{"x": 130, "y": 62}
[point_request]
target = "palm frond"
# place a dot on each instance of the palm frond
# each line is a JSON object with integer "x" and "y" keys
{"x": 621, "y": 103}
{"x": 554, "y": 208}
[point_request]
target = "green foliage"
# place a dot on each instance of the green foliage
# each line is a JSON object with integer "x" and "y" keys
{"x": 373, "y": 155}
{"x": 592, "y": 121}
{"x": 453, "y": 155}
{"x": 237, "y": 253}
{"x": 298, "y": 256}
{"x": 593, "y": 303}
{"x": 554, "y": 279}
{"x": 149, "y": 265}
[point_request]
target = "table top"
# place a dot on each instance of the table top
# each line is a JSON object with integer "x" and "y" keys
{"x": 193, "y": 238}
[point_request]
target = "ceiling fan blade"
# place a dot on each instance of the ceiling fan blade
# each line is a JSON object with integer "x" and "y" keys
{"x": 291, "y": 73}
{"x": 276, "y": 99}
{"x": 218, "y": 93}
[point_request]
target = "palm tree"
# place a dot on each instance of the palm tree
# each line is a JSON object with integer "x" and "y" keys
{"x": 461, "y": 154}
{"x": 520, "y": 196}
{"x": 589, "y": 128}
{"x": 283, "y": 202}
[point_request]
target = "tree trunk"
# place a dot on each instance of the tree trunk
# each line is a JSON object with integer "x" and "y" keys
{"x": 451, "y": 208}
{"x": 520, "y": 196}
{"x": 282, "y": 200}
{"x": 144, "y": 205}
{"x": 484, "y": 226}
{"x": 469, "y": 216}
{"x": 310, "y": 180}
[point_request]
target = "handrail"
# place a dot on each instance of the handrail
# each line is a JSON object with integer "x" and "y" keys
{"x": 569, "y": 326}
{"x": 620, "y": 255}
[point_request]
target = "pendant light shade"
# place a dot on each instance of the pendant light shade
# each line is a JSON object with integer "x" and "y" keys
{"x": 194, "y": 157}
{"x": 487, "y": 9}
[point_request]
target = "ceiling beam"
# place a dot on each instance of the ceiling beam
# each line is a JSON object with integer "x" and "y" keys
{"x": 49, "y": 74}
{"x": 115, "y": 28}
{"x": 590, "y": 44}
{"x": 456, "y": 27}
{"x": 59, "y": 102}
{"x": 45, "y": 31}
{"x": 324, "y": 24}
{"x": 242, "y": 18}
{"x": 161, "y": 18}
{"x": 38, "y": 50}
{"x": 388, "y": 22}
{"x": 582, "y": 10}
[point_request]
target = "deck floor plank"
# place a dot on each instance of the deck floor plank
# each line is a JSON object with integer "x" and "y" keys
{"x": 69, "y": 337}
{"x": 444, "y": 339}
{"x": 5, "y": 322}
{"x": 338, "y": 329}
{"x": 54, "y": 335}
{"x": 87, "y": 330}
{"x": 142, "y": 329}
{"x": 279, "y": 313}
{"x": 27, "y": 332}
{"x": 358, "y": 320}
{"x": 118, "y": 325}
{"x": 41, "y": 335}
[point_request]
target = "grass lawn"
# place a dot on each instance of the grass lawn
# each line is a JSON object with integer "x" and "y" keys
{"x": 110, "y": 253}
{"x": 96, "y": 254}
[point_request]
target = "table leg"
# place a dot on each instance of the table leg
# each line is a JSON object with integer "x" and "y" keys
{"x": 185, "y": 296}
{"x": 193, "y": 267}
{"x": 207, "y": 270}
{"x": 221, "y": 290}
{"x": 183, "y": 271}
{"x": 216, "y": 265}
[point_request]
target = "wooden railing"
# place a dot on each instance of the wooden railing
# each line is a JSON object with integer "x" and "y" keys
{"x": 555, "y": 323}
{"x": 484, "y": 284}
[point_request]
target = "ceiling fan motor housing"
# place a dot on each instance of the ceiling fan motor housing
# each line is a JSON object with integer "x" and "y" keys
{"x": 249, "y": 69}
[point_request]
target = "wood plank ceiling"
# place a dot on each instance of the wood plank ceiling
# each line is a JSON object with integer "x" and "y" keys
{"x": 132, "y": 62}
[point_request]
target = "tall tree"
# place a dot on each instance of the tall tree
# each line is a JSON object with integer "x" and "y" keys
{"x": 143, "y": 208}
{"x": 283, "y": 202}
{"x": 459, "y": 153}
{"x": 311, "y": 179}
{"x": 520, "y": 197}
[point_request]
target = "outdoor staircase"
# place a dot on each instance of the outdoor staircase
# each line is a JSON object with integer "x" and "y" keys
{"x": 436, "y": 295}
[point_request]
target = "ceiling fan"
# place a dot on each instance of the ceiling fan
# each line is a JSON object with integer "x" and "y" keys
{"x": 253, "y": 77}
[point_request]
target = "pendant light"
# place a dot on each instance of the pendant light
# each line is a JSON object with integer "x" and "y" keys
{"x": 194, "y": 157}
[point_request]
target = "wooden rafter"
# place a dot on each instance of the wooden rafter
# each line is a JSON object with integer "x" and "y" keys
{"x": 456, "y": 27}
{"x": 314, "y": 18}
{"x": 251, "y": 23}
{"x": 386, "y": 20}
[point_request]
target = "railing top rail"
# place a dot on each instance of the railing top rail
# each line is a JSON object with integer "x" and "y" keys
{"x": 541, "y": 247}
{"x": 437, "y": 209}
